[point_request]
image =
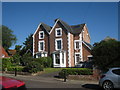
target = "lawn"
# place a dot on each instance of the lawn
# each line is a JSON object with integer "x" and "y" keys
{"x": 50, "y": 70}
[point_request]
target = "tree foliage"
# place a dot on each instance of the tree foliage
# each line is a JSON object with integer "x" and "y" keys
{"x": 106, "y": 53}
{"x": 8, "y": 38}
{"x": 28, "y": 45}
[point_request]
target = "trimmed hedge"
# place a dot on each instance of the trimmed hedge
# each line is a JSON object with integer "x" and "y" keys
{"x": 75, "y": 71}
{"x": 19, "y": 68}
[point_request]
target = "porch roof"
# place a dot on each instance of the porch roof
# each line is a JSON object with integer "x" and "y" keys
{"x": 43, "y": 52}
{"x": 58, "y": 51}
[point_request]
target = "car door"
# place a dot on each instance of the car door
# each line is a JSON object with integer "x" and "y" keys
{"x": 117, "y": 77}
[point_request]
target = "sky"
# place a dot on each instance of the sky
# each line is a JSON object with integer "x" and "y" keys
{"x": 24, "y": 17}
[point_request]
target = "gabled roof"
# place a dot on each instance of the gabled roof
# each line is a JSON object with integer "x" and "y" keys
{"x": 87, "y": 44}
{"x": 77, "y": 28}
{"x": 74, "y": 29}
{"x": 47, "y": 27}
{"x": 12, "y": 52}
{"x": 3, "y": 53}
{"x": 69, "y": 29}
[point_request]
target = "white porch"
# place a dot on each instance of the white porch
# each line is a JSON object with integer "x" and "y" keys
{"x": 41, "y": 54}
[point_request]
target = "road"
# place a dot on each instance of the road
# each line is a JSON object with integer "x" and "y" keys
{"x": 44, "y": 81}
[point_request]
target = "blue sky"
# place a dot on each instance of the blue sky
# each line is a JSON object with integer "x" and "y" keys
{"x": 23, "y": 17}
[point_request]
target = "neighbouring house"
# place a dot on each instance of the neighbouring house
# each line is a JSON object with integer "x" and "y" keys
{"x": 11, "y": 52}
{"x": 3, "y": 53}
{"x": 67, "y": 44}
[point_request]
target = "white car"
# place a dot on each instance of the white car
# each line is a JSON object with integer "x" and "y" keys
{"x": 111, "y": 79}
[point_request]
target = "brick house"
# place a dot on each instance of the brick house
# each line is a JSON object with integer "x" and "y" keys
{"x": 3, "y": 53}
{"x": 68, "y": 45}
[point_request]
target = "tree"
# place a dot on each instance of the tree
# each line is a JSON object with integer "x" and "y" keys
{"x": 8, "y": 38}
{"x": 106, "y": 53}
{"x": 28, "y": 45}
{"x": 18, "y": 48}
{"x": 17, "y": 57}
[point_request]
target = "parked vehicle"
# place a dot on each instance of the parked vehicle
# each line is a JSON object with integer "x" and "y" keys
{"x": 9, "y": 84}
{"x": 110, "y": 79}
{"x": 80, "y": 65}
{"x": 86, "y": 64}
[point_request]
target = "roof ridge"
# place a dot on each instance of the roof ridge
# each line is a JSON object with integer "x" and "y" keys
{"x": 78, "y": 24}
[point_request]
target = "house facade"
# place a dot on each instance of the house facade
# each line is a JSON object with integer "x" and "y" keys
{"x": 67, "y": 44}
{"x": 3, "y": 53}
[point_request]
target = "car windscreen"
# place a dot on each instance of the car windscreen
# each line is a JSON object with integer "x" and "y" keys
{"x": 116, "y": 71}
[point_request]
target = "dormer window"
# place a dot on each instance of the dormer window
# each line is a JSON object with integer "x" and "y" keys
{"x": 58, "y": 32}
{"x": 41, "y": 35}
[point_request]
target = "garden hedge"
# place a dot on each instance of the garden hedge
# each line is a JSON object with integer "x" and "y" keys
{"x": 19, "y": 68}
{"x": 75, "y": 71}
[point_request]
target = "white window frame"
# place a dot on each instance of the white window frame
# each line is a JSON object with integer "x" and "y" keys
{"x": 57, "y": 30}
{"x": 75, "y": 57}
{"x": 39, "y": 45}
{"x": 75, "y": 44}
{"x": 40, "y": 35}
{"x": 3, "y": 55}
{"x": 56, "y": 43}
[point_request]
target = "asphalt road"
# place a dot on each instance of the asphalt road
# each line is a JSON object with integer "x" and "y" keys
{"x": 41, "y": 81}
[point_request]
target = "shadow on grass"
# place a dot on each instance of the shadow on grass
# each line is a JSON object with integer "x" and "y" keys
{"x": 92, "y": 86}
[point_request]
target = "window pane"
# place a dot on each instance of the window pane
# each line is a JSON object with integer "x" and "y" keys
{"x": 63, "y": 58}
{"x": 77, "y": 58}
{"x": 41, "y": 35}
{"x": 58, "y": 32}
{"x": 77, "y": 45}
{"x": 41, "y": 45}
{"x": 116, "y": 71}
{"x": 59, "y": 44}
{"x": 57, "y": 57}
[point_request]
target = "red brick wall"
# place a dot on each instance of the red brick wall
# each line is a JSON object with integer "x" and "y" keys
{"x": 85, "y": 33}
{"x": 86, "y": 52}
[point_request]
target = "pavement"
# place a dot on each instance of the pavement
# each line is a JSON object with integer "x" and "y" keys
{"x": 49, "y": 81}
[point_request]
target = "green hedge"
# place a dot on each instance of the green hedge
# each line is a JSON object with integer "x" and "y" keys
{"x": 75, "y": 71}
{"x": 19, "y": 68}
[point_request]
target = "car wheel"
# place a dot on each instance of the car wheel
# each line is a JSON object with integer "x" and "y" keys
{"x": 108, "y": 85}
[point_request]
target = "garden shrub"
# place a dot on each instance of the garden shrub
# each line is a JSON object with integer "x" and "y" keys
{"x": 75, "y": 71}
{"x": 33, "y": 67}
{"x": 16, "y": 59}
{"x": 25, "y": 59}
{"x": 44, "y": 61}
{"x": 6, "y": 63}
